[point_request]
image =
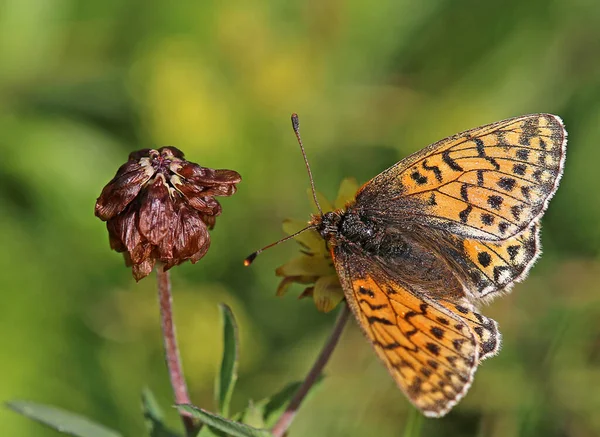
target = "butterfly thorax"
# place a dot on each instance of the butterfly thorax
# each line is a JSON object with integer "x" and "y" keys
{"x": 354, "y": 230}
{"x": 400, "y": 250}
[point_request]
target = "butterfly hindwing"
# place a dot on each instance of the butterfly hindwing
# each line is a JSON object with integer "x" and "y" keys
{"x": 430, "y": 350}
{"x": 488, "y": 183}
{"x": 486, "y": 268}
{"x": 499, "y": 265}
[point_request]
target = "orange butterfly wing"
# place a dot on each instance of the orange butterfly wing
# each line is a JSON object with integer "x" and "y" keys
{"x": 431, "y": 348}
{"x": 487, "y": 183}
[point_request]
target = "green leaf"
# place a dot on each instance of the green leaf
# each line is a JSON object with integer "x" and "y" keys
{"x": 254, "y": 415}
{"x": 276, "y": 404}
{"x": 229, "y": 364}
{"x": 61, "y": 420}
{"x": 414, "y": 423}
{"x": 234, "y": 429}
{"x": 154, "y": 416}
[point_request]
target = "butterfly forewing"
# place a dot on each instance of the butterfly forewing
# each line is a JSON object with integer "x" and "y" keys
{"x": 430, "y": 351}
{"x": 488, "y": 183}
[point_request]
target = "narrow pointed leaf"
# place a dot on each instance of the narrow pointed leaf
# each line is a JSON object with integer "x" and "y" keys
{"x": 61, "y": 420}
{"x": 234, "y": 429}
{"x": 154, "y": 416}
{"x": 346, "y": 193}
{"x": 414, "y": 424}
{"x": 209, "y": 431}
{"x": 229, "y": 364}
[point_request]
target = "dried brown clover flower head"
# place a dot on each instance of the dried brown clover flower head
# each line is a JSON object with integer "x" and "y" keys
{"x": 159, "y": 207}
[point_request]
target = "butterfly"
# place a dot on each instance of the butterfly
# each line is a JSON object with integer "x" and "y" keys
{"x": 428, "y": 240}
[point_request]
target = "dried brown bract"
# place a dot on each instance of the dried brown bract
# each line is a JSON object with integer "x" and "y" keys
{"x": 159, "y": 207}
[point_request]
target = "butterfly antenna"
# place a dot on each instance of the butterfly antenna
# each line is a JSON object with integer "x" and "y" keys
{"x": 250, "y": 258}
{"x": 296, "y": 126}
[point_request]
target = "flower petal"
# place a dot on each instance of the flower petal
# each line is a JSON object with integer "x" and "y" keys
{"x": 121, "y": 190}
{"x": 191, "y": 237}
{"x": 205, "y": 176}
{"x": 346, "y": 193}
{"x": 309, "y": 239}
{"x": 289, "y": 280}
{"x": 140, "y": 271}
{"x": 123, "y": 231}
{"x": 325, "y": 204}
{"x": 327, "y": 293}
{"x": 156, "y": 211}
{"x": 305, "y": 265}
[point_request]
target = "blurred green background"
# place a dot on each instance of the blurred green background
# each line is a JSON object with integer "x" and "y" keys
{"x": 84, "y": 83}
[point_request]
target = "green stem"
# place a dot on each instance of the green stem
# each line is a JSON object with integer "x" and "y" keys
{"x": 172, "y": 357}
{"x": 288, "y": 416}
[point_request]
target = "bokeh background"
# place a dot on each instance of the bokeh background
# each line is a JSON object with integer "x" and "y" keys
{"x": 84, "y": 83}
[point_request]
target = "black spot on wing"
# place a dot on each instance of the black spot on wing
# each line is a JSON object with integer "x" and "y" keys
{"x": 366, "y": 292}
{"x": 450, "y": 162}
{"x": 433, "y": 348}
{"x": 495, "y": 201}
{"x": 493, "y": 162}
{"x": 464, "y": 192}
{"x": 523, "y": 154}
{"x": 373, "y": 307}
{"x": 410, "y": 315}
{"x": 519, "y": 169}
{"x": 426, "y": 372}
{"x": 513, "y": 251}
{"x": 464, "y": 214}
{"x": 487, "y": 219}
{"x": 461, "y": 309}
{"x": 418, "y": 178}
{"x": 380, "y": 320}
{"x": 529, "y": 130}
{"x": 484, "y": 259}
{"x": 507, "y": 184}
{"x": 480, "y": 178}
{"x": 390, "y": 346}
{"x": 480, "y": 147}
{"x": 435, "y": 169}
{"x": 498, "y": 272}
{"x": 481, "y": 153}
{"x": 457, "y": 343}
{"x": 437, "y": 332}
{"x": 432, "y": 200}
{"x": 516, "y": 211}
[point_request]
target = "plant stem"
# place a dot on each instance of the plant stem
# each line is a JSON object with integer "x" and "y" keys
{"x": 171, "y": 349}
{"x": 287, "y": 417}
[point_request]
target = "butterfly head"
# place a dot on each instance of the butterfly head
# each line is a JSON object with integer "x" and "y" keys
{"x": 345, "y": 225}
{"x": 327, "y": 224}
